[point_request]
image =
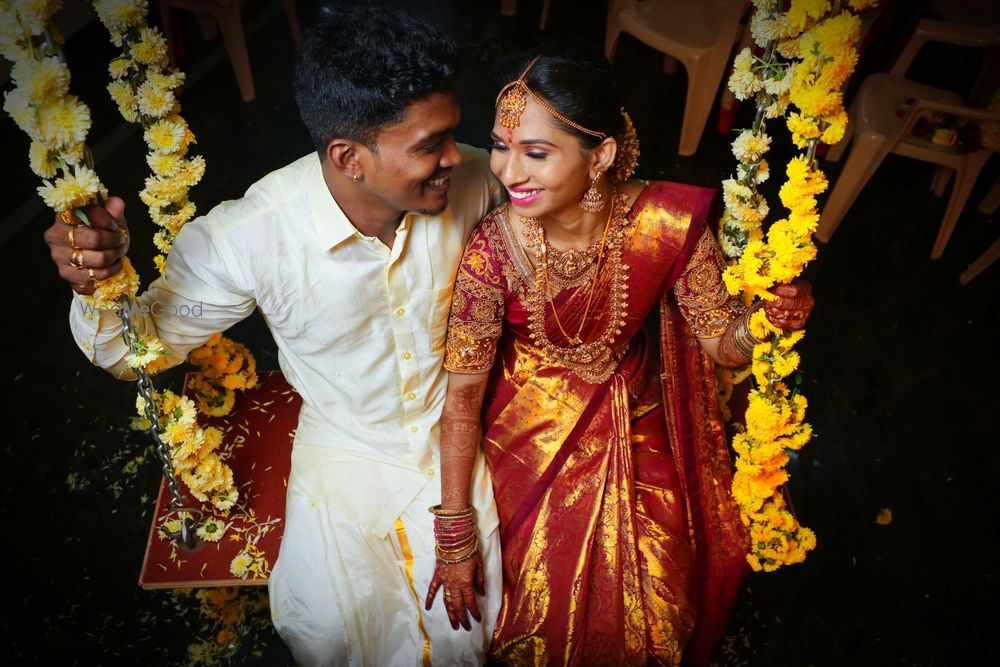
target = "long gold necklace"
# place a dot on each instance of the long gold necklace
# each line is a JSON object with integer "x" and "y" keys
{"x": 575, "y": 340}
{"x": 595, "y": 360}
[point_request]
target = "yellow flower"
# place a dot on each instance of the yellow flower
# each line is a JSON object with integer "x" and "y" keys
{"x": 163, "y": 240}
{"x": 802, "y": 129}
{"x": 43, "y": 161}
{"x": 836, "y": 125}
{"x": 884, "y": 517}
{"x": 106, "y": 294}
{"x": 151, "y": 48}
{"x": 191, "y": 171}
{"x": 160, "y": 261}
{"x": 860, "y": 5}
{"x": 119, "y": 67}
{"x": 173, "y": 216}
{"x": 155, "y": 101}
{"x": 63, "y": 121}
{"x": 160, "y": 191}
{"x": 802, "y": 12}
{"x": 41, "y": 79}
{"x": 170, "y": 80}
{"x": 238, "y": 567}
{"x": 76, "y": 188}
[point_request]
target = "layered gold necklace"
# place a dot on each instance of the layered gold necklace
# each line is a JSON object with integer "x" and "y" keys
{"x": 593, "y": 360}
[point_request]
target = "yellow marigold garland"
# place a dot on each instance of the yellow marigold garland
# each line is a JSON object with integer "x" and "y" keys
{"x": 225, "y": 366}
{"x": 775, "y": 418}
{"x": 194, "y": 451}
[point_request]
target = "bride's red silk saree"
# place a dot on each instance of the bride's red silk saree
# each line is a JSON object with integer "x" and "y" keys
{"x": 621, "y": 543}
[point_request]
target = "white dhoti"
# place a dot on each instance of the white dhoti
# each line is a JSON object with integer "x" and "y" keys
{"x": 343, "y": 595}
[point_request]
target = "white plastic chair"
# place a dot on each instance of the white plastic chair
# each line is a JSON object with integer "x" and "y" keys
{"x": 876, "y": 130}
{"x": 988, "y": 206}
{"x": 700, "y": 34}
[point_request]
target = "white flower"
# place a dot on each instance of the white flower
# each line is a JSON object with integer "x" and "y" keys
{"x": 41, "y": 79}
{"x": 63, "y": 121}
{"x": 120, "y": 15}
{"x": 151, "y": 48}
{"x": 743, "y": 81}
{"x": 146, "y": 349}
{"x": 748, "y": 147}
{"x": 71, "y": 190}
{"x": 17, "y": 104}
{"x": 240, "y": 565}
{"x": 155, "y": 101}
{"x": 42, "y": 160}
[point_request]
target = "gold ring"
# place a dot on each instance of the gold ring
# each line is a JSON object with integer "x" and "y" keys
{"x": 76, "y": 259}
{"x": 72, "y": 237}
{"x": 90, "y": 272}
{"x": 67, "y": 218}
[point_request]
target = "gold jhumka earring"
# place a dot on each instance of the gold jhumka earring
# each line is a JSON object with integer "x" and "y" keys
{"x": 592, "y": 201}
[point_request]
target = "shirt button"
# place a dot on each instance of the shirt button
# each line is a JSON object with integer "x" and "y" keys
{"x": 407, "y": 355}
{"x": 430, "y": 472}
{"x": 411, "y": 396}
{"x": 400, "y": 312}
{"x": 414, "y": 429}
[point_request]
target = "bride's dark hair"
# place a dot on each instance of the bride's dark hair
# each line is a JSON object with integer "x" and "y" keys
{"x": 577, "y": 83}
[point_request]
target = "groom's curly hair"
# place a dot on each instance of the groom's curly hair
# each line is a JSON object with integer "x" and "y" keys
{"x": 360, "y": 67}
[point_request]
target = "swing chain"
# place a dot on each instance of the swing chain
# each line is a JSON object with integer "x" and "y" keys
{"x": 145, "y": 388}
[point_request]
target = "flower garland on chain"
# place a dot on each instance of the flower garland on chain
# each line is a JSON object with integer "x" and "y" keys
{"x": 142, "y": 86}
{"x": 57, "y": 123}
{"x": 822, "y": 48}
{"x": 194, "y": 451}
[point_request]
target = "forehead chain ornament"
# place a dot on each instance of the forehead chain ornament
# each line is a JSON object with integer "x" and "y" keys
{"x": 513, "y": 98}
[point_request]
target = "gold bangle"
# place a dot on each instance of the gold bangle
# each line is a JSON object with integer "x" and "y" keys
{"x": 437, "y": 511}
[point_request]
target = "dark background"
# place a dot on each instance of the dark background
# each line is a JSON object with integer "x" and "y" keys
{"x": 900, "y": 367}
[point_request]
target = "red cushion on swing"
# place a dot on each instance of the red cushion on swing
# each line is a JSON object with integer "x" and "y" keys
{"x": 260, "y": 429}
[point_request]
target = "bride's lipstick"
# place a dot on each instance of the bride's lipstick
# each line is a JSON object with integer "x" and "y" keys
{"x": 523, "y": 196}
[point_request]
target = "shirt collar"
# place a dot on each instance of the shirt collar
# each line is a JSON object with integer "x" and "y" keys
{"x": 332, "y": 225}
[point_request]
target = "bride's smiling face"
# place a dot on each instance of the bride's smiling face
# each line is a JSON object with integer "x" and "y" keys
{"x": 543, "y": 167}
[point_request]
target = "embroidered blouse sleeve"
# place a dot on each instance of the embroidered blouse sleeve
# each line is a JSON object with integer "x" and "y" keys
{"x": 701, "y": 294}
{"x": 477, "y": 308}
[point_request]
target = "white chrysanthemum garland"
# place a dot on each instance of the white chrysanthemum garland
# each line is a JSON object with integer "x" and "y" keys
{"x": 819, "y": 41}
{"x": 142, "y": 86}
{"x": 57, "y": 123}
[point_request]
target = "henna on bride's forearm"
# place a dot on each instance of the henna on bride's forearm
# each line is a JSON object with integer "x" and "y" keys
{"x": 460, "y": 435}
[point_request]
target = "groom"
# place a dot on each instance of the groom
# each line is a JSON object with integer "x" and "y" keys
{"x": 350, "y": 254}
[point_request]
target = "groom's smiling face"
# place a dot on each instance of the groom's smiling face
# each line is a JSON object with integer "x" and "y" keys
{"x": 411, "y": 166}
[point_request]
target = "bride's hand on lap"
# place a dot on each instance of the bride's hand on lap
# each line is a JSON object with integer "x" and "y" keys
{"x": 792, "y": 307}
{"x": 461, "y": 582}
